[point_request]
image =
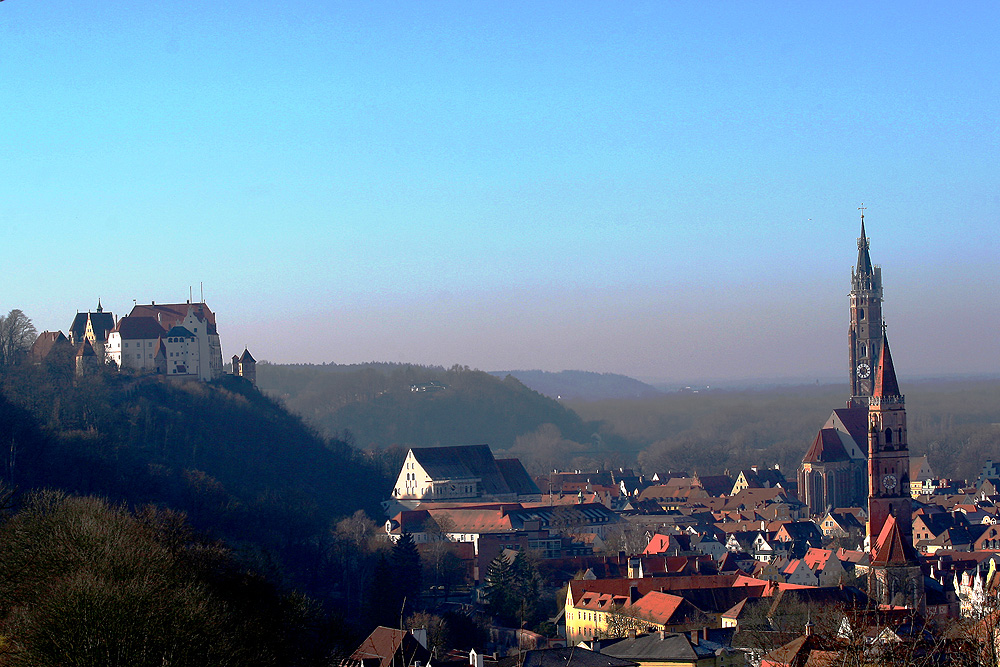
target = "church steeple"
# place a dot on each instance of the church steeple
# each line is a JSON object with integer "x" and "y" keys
{"x": 888, "y": 452}
{"x": 886, "y": 384}
{"x": 864, "y": 259}
{"x": 865, "y": 333}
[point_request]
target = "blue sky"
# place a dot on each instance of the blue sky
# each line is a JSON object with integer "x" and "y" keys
{"x": 667, "y": 190}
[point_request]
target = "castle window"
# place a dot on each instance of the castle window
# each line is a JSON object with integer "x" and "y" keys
{"x": 861, "y": 313}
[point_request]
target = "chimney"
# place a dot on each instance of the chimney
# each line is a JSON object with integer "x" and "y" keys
{"x": 662, "y": 633}
{"x": 809, "y": 629}
{"x": 633, "y": 593}
{"x": 694, "y": 638}
{"x": 631, "y": 635}
{"x": 704, "y": 634}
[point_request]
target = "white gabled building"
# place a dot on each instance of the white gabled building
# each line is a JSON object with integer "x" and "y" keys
{"x": 183, "y": 353}
{"x": 133, "y": 343}
{"x": 463, "y": 472}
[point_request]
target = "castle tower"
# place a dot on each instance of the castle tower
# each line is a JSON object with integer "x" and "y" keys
{"x": 865, "y": 334}
{"x": 245, "y": 366}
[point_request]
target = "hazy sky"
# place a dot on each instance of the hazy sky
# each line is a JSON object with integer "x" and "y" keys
{"x": 667, "y": 190}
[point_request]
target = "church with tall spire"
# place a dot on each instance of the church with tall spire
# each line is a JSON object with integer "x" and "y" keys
{"x": 865, "y": 333}
{"x": 834, "y": 470}
{"x": 861, "y": 455}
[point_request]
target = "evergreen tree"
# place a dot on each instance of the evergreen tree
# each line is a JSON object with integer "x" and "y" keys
{"x": 512, "y": 590}
{"x": 524, "y": 587}
{"x": 406, "y": 567}
{"x": 497, "y": 589}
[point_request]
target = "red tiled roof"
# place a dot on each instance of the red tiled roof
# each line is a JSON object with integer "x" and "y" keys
{"x": 173, "y": 313}
{"x": 817, "y": 558}
{"x": 384, "y": 646}
{"x": 891, "y": 548}
{"x": 826, "y": 448}
{"x": 658, "y": 607}
{"x": 885, "y": 376}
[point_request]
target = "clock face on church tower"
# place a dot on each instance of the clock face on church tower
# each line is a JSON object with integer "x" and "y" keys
{"x": 889, "y": 482}
{"x": 864, "y": 370}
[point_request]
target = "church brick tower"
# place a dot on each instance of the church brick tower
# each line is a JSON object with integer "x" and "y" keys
{"x": 888, "y": 453}
{"x": 895, "y": 576}
{"x": 865, "y": 334}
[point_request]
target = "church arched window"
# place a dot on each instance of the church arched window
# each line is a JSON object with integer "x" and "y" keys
{"x": 861, "y": 316}
{"x": 888, "y": 436}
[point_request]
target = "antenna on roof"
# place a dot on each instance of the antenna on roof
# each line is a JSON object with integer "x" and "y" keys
{"x": 190, "y": 293}
{"x": 202, "y": 283}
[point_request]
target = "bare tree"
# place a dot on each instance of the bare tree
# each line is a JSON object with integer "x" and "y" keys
{"x": 17, "y": 334}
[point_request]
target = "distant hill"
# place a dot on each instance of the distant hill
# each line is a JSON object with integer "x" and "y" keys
{"x": 582, "y": 385}
{"x": 383, "y": 404}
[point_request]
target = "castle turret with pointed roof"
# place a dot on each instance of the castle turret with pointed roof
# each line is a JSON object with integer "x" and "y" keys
{"x": 245, "y": 366}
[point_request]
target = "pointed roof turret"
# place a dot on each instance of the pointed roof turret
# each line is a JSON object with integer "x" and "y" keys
{"x": 885, "y": 375}
{"x": 246, "y": 357}
{"x": 100, "y": 308}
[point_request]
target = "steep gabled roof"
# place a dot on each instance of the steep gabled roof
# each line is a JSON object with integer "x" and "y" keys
{"x": 141, "y": 328}
{"x": 386, "y": 646}
{"x": 826, "y": 448}
{"x": 517, "y": 478}
{"x": 716, "y": 485}
{"x": 246, "y": 357}
{"x": 891, "y": 549}
{"x": 79, "y": 326}
{"x": 463, "y": 462}
{"x": 47, "y": 340}
{"x": 663, "y": 608}
{"x": 885, "y": 376}
{"x": 854, "y": 421}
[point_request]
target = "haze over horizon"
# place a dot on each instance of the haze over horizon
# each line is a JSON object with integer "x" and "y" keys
{"x": 668, "y": 191}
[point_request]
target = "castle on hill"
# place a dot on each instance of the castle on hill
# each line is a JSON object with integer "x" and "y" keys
{"x": 177, "y": 340}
